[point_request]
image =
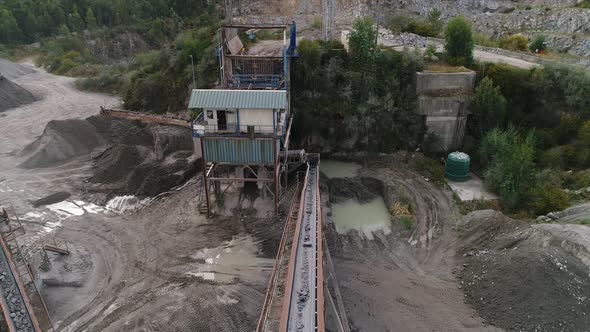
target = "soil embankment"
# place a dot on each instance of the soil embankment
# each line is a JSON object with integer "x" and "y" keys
{"x": 526, "y": 277}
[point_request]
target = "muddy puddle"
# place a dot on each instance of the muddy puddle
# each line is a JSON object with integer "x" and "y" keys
{"x": 339, "y": 169}
{"x": 233, "y": 259}
{"x": 365, "y": 218}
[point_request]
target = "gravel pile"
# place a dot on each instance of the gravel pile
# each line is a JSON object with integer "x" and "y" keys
{"x": 525, "y": 278}
{"x": 12, "y": 95}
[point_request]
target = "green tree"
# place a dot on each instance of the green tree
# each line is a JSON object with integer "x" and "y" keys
{"x": 434, "y": 17}
{"x": 459, "y": 41}
{"x": 90, "y": 20}
{"x": 75, "y": 22}
{"x": 63, "y": 30}
{"x": 488, "y": 107}
{"x": 512, "y": 172}
{"x": 10, "y": 33}
{"x": 362, "y": 40}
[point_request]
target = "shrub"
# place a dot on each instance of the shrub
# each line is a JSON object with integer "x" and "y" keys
{"x": 488, "y": 107}
{"x": 407, "y": 221}
{"x": 459, "y": 41}
{"x": 402, "y": 23}
{"x": 512, "y": 171}
{"x": 538, "y": 44}
{"x": 569, "y": 127}
{"x": 547, "y": 198}
{"x": 576, "y": 180}
{"x": 545, "y": 138}
{"x": 434, "y": 18}
{"x": 425, "y": 29}
{"x": 551, "y": 158}
{"x": 397, "y": 23}
{"x": 496, "y": 142}
{"x": 431, "y": 169}
{"x": 514, "y": 43}
{"x": 484, "y": 40}
{"x": 583, "y": 4}
{"x": 316, "y": 23}
{"x": 584, "y": 134}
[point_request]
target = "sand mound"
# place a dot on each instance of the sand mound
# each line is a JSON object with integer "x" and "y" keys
{"x": 60, "y": 142}
{"x": 524, "y": 278}
{"x": 12, "y": 95}
{"x": 11, "y": 70}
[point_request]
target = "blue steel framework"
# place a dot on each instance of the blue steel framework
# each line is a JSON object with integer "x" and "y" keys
{"x": 222, "y": 149}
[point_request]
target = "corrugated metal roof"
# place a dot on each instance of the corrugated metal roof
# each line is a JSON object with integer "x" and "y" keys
{"x": 270, "y": 99}
{"x": 239, "y": 151}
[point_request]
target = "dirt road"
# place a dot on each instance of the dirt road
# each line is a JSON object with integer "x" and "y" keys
{"x": 479, "y": 55}
{"x": 404, "y": 281}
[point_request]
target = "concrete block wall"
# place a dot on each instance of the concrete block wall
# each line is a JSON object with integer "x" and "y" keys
{"x": 445, "y": 113}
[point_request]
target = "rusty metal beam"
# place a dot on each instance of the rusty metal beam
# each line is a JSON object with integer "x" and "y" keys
{"x": 205, "y": 179}
{"x": 320, "y": 307}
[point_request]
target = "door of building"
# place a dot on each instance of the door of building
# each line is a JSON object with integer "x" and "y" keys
{"x": 221, "y": 120}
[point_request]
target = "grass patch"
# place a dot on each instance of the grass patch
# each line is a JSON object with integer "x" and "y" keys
{"x": 477, "y": 204}
{"x": 432, "y": 170}
{"x": 407, "y": 221}
{"x": 585, "y": 222}
{"x": 316, "y": 23}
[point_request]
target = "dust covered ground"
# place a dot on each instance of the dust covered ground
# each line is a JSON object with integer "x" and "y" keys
{"x": 142, "y": 258}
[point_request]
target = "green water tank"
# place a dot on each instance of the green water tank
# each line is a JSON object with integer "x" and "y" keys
{"x": 457, "y": 166}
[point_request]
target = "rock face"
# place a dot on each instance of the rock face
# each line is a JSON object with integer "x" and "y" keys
{"x": 565, "y": 26}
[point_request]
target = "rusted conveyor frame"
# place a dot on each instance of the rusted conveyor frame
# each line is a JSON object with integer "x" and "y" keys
{"x": 145, "y": 117}
{"x": 20, "y": 290}
{"x": 272, "y": 283}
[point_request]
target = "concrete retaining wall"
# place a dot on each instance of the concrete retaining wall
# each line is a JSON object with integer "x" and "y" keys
{"x": 430, "y": 82}
{"x": 446, "y": 113}
{"x": 443, "y": 106}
